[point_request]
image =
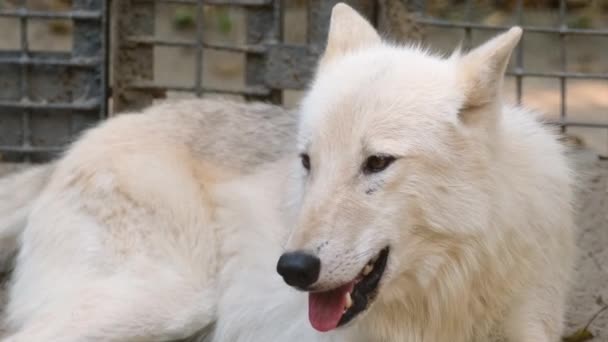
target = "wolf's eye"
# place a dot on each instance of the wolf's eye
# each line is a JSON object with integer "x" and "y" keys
{"x": 305, "y": 161}
{"x": 377, "y": 163}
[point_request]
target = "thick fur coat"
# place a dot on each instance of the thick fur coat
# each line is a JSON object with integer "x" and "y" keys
{"x": 156, "y": 226}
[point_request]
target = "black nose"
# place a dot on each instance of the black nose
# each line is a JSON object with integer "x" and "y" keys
{"x": 299, "y": 269}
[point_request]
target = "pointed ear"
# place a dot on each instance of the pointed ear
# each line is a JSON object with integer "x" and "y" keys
{"x": 348, "y": 31}
{"x": 482, "y": 69}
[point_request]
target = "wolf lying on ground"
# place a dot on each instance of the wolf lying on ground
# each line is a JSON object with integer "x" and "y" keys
{"x": 412, "y": 206}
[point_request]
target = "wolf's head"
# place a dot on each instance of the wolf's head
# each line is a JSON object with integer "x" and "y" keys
{"x": 395, "y": 146}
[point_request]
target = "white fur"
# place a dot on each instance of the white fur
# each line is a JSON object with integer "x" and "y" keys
{"x": 148, "y": 230}
{"x": 476, "y": 208}
{"x": 17, "y": 192}
{"x": 120, "y": 240}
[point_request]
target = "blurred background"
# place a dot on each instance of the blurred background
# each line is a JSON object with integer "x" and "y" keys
{"x": 65, "y": 64}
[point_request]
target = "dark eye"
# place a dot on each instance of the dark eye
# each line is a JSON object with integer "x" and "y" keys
{"x": 377, "y": 163}
{"x": 305, "y": 161}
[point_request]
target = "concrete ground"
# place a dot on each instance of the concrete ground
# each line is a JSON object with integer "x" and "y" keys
{"x": 590, "y": 291}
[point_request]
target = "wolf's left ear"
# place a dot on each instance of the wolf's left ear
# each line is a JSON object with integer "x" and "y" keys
{"x": 348, "y": 31}
{"x": 482, "y": 69}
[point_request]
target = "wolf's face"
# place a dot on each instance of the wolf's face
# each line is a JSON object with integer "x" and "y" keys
{"x": 394, "y": 150}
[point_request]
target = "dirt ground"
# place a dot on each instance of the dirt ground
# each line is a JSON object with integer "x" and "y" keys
{"x": 590, "y": 292}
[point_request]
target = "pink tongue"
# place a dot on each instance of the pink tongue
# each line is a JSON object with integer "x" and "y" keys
{"x": 325, "y": 308}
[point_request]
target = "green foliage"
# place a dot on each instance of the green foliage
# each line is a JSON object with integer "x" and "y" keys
{"x": 183, "y": 18}
{"x": 583, "y": 334}
{"x": 581, "y": 21}
{"x": 580, "y": 335}
{"x": 224, "y": 22}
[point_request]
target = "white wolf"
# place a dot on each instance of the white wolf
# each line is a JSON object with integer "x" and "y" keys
{"x": 420, "y": 209}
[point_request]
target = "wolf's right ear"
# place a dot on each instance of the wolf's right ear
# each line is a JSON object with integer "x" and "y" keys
{"x": 482, "y": 70}
{"x": 348, "y": 31}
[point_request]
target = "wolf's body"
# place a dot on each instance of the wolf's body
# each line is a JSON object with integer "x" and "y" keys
{"x": 120, "y": 242}
{"x": 155, "y": 226}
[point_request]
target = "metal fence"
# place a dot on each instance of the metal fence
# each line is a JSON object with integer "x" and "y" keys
{"x": 47, "y": 98}
{"x": 135, "y": 40}
{"x": 271, "y": 66}
{"x": 517, "y": 70}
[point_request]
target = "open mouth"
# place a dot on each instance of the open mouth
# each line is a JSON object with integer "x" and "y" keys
{"x": 328, "y": 310}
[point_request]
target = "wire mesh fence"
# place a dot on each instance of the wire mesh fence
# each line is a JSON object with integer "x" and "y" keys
{"x": 560, "y": 66}
{"x": 135, "y": 86}
{"x": 269, "y": 64}
{"x": 267, "y": 50}
{"x": 560, "y": 29}
{"x": 46, "y": 96}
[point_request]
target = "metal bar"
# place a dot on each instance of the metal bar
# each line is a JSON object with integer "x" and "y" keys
{"x": 468, "y": 35}
{"x": 89, "y": 41}
{"x": 25, "y": 13}
{"x": 31, "y": 149}
{"x": 106, "y": 56}
{"x": 215, "y": 2}
{"x": 91, "y": 104}
{"x": 131, "y": 62}
{"x": 577, "y": 124}
{"x": 535, "y": 29}
{"x": 198, "y": 77}
{"x": 558, "y": 74}
{"x": 562, "y": 50}
{"x": 277, "y": 19}
{"x": 72, "y": 62}
{"x": 520, "y": 55}
{"x": 261, "y": 30}
{"x": 26, "y": 138}
{"x": 248, "y": 90}
{"x": 149, "y": 40}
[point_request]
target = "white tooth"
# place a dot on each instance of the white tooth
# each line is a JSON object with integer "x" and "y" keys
{"x": 349, "y": 300}
{"x": 367, "y": 269}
